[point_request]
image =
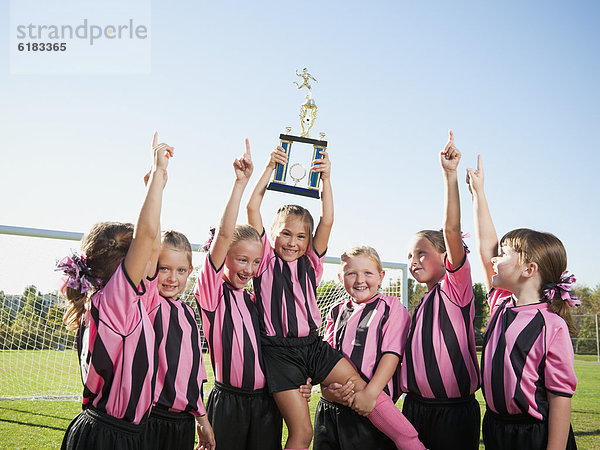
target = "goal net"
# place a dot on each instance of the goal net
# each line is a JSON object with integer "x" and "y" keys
{"x": 38, "y": 357}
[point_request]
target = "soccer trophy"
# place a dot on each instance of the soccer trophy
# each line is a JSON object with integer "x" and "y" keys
{"x": 296, "y": 169}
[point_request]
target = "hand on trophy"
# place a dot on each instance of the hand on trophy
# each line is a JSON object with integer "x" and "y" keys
{"x": 322, "y": 165}
{"x": 243, "y": 166}
{"x": 278, "y": 156}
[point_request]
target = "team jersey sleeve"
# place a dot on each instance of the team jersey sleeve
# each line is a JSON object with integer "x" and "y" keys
{"x": 267, "y": 253}
{"x": 150, "y": 298}
{"x": 559, "y": 372}
{"x": 457, "y": 282}
{"x": 316, "y": 261}
{"x": 208, "y": 286}
{"x": 496, "y": 297}
{"x": 329, "y": 334}
{"x": 395, "y": 329}
{"x": 118, "y": 302}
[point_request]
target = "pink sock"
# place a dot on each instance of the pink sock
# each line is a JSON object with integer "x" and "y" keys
{"x": 390, "y": 421}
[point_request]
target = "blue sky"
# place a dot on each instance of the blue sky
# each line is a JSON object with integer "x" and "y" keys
{"x": 516, "y": 81}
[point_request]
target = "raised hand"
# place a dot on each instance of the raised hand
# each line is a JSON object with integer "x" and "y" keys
{"x": 475, "y": 177}
{"x": 322, "y": 165}
{"x": 278, "y": 156}
{"x": 243, "y": 166}
{"x": 450, "y": 156}
{"x": 160, "y": 156}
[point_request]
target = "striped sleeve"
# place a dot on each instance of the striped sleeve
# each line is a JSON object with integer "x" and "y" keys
{"x": 395, "y": 329}
{"x": 120, "y": 302}
{"x": 208, "y": 285}
{"x": 316, "y": 261}
{"x": 559, "y": 373}
{"x": 457, "y": 282}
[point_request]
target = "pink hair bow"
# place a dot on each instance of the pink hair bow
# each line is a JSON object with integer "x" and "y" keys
{"x": 564, "y": 288}
{"x": 77, "y": 275}
{"x": 206, "y": 245}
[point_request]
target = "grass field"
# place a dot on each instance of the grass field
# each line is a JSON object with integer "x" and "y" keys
{"x": 28, "y": 424}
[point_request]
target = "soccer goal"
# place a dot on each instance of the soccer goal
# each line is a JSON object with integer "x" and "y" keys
{"x": 38, "y": 357}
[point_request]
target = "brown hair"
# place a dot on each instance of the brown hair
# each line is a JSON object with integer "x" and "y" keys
{"x": 435, "y": 237}
{"x": 294, "y": 210}
{"x": 548, "y": 252}
{"x": 363, "y": 250}
{"x": 177, "y": 241}
{"x": 105, "y": 247}
{"x": 244, "y": 233}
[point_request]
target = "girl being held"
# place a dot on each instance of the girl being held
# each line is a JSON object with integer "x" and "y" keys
{"x": 239, "y": 407}
{"x": 527, "y": 359}
{"x": 370, "y": 330}
{"x": 285, "y": 289}
{"x": 115, "y": 339}
{"x": 440, "y": 372}
{"x": 181, "y": 373}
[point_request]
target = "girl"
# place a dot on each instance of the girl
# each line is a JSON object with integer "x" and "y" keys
{"x": 527, "y": 359}
{"x": 115, "y": 339}
{"x": 241, "y": 411}
{"x": 181, "y": 373}
{"x": 286, "y": 290}
{"x": 440, "y": 373}
{"x": 370, "y": 330}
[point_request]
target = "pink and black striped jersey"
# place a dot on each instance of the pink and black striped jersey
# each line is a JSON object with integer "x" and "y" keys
{"x": 364, "y": 332}
{"x": 231, "y": 326}
{"x": 286, "y": 292}
{"x": 181, "y": 371}
{"x": 527, "y": 353}
{"x": 116, "y": 351}
{"x": 440, "y": 359}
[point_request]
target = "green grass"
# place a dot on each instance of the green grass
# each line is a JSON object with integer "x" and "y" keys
{"x": 41, "y": 424}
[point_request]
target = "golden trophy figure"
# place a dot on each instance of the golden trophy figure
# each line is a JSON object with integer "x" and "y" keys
{"x": 297, "y": 170}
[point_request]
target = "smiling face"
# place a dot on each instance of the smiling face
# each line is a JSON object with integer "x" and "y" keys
{"x": 241, "y": 262}
{"x": 291, "y": 238}
{"x": 174, "y": 269}
{"x": 426, "y": 263}
{"x": 361, "y": 277}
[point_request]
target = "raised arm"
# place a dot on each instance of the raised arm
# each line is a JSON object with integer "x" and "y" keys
{"x": 253, "y": 208}
{"x": 487, "y": 239}
{"x": 449, "y": 159}
{"x": 323, "y": 230}
{"x": 148, "y": 223}
{"x": 243, "y": 170}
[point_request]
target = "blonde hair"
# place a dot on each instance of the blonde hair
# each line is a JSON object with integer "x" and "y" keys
{"x": 363, "y": 250}
{"x": 294, "y": 210}
{"x": 105, "y": 247}
{"x": 177, "y": 241}
{"x": 435, "y": 237}
{"x": 548, "y": 252}
{"x": 244, "y": 233}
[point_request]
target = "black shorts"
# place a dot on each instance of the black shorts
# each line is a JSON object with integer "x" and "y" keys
{"x": 290, "y": 361}
{"x": 518, "y": 431}
{"x": 244, "y": 419}
{"x": 337, "y": 427}
{"x": 169, "y": 430}
{"x": 93, "y": 429}
{"x": 444, "y": 423}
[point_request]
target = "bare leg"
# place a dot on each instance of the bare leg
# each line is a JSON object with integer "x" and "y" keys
{"x": 295, "y": 412}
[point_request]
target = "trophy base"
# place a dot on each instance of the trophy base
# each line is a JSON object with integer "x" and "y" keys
{"x": 313, "y": 193}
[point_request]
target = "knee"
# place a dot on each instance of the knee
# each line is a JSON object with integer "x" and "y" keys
{"x": 303, "y": 433}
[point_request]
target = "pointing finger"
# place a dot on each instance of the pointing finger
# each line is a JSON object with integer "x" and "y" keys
{"x": 247, "y": 142}
{"x": 479, "y": 164}
{"x": 155, "y": 139}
